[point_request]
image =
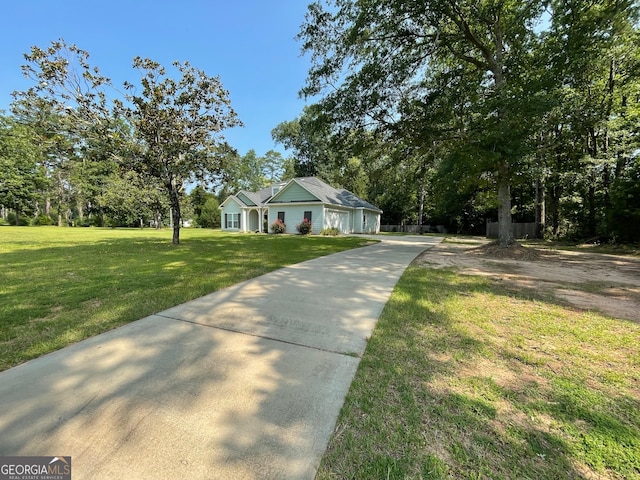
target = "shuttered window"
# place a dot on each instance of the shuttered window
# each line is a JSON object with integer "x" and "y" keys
{"x": 232, "y": 220}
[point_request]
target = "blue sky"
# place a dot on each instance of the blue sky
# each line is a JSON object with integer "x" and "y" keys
{"x": 250, "y": 44}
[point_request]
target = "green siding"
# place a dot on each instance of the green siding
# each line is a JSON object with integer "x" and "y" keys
{"x": 245, "y": 199}
{"x": 295, "y": 193}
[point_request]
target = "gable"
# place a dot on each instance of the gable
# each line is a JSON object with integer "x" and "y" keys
{"x": 231, "y": 201}
{"x": 293, "y": 192}
{"x": 242, "y": 196}
{"x": 231, "y": 205}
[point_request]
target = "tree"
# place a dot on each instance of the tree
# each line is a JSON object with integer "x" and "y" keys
{"x": 205, "y": 207}
{"x": 68, "y": 107}
{"x": 248, "y": 173}
{"x": 210, "y": 214}
{"x": 131, "y": 199}
{"x": 386, "y": 55}
{"x": 309, "y": 136}
{"x": 21, "y": 174}
{"x": 594, "y": 61}
{"x": 176, "y": 124}
{"x": 273, "y": 166}
{"x": 179, "y": 125}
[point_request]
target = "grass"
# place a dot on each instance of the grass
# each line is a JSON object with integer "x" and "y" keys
{"x": 468, "y": 378}
{"x": 631, "y": 249}
{"x": 62, "y": 285}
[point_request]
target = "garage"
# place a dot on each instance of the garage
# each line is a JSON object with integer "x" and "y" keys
{"x": 339, "y": 219}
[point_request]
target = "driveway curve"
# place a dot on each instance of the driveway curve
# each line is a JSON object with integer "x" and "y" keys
{"x": 244, "y": 383}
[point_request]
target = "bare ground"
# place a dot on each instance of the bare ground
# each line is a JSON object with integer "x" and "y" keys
{"x": 609, "y": 284}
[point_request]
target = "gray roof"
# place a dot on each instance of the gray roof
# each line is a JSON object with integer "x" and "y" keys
{"x": 319, "y": 189}
{"x": 335, "y": 196}
{"x": 259, "y": 197}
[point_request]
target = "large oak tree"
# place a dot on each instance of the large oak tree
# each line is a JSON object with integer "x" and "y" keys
{"x": 376, "y": 61}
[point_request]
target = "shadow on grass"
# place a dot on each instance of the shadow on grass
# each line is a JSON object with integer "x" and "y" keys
{"x": 440, "y": 394}
{"x": 57, "y": 294}
{"x": 181, "y": 395}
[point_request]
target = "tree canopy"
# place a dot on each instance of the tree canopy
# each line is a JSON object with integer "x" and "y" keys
{"x": 475, "y": 99}
{"x": 167, "y": 132}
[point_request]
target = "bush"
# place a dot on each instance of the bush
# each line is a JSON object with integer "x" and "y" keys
{"x": 330, "y": 232}
{"x": 278, "y": 226}
{"x": 22, "y": 220}
{"x": 209, "y": 214}
{"x": 304, "y": 227}
{"x": 43, "y": 220}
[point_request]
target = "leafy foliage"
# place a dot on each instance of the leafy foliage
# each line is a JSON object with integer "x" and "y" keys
{"x": 167, "y": 133}
{"x": 464, "y": 111}
{"x": 179, "y": 125}
{"x": 22, "y": 176}
{"x": 304, "y": 227}
{"x": 278, "y": 226}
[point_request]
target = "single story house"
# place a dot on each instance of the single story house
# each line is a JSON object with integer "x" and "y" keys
{"x": 295, "y": 200}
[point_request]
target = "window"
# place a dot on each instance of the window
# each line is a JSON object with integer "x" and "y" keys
{"x": 307, "y": 215}
{"x": 281, "y": 217}
{"x": 232, "y": 220}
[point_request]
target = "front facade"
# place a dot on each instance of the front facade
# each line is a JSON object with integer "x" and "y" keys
{"x": 295, "y": 200}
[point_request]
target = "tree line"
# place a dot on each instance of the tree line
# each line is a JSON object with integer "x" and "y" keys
{"x": 457, "y": 112}
{"x": 444, "y": 112}
{"x": 103, "y": 189}
{"x": 77, "y": 150}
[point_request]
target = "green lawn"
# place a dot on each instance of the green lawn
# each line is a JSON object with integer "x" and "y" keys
{"x": 61, "y": 285}
{"x": 465, "y": 377}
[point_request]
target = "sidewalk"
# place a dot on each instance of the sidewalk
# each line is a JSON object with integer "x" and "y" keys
{"x": 244, "y": 383}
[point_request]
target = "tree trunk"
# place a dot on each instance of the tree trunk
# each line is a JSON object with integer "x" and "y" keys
{"x": 591, "y": 198}
{"x": 175, "y": 210}
{"x": 421, "y": 200}
{"x": 540, "y": 208}
{"x": 505, "y": 228}
{"x": 80, "y": 208}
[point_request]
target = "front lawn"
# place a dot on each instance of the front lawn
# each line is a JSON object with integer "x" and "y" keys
{"x": 61, "y": 285}
{"x": 474, "y": 377}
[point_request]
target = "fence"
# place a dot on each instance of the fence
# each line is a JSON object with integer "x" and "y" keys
{"x": 520, "y": 230}
{"x": 413, "y": 228}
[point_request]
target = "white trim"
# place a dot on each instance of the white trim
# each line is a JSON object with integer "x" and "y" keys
{"x": 285, "y": 187}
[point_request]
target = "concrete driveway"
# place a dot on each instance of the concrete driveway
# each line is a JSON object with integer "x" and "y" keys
{"x": 244, "y": 383}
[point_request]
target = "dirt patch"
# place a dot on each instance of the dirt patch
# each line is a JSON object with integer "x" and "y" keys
{"x": 512, "y": 252}
{"x": 609, "y": 284}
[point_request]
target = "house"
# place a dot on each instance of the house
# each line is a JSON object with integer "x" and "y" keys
{"x": 295, "y": 200}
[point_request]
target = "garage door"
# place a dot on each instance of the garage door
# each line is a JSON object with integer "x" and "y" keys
{"x": 338, "y": 219}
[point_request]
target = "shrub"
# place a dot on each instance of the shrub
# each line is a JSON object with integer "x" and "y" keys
{"x": 22, "y": 220}
{"x": 304, "y": 227}
{"x": 278, "y": 226}
{"x": 43, "y": 220}
{"x": 330, "y": 232}
{"x": 209, "y": 214}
